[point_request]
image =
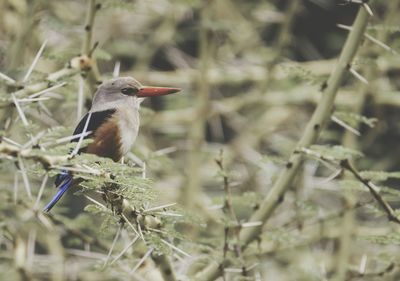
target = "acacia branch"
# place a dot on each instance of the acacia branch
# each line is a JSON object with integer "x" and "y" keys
{"x": 313, "y": 129}
{"x": 93, "y": 75}
{"x": 382, "y": 202}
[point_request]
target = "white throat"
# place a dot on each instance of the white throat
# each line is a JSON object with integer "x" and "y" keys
{"x": 128, "y": 123}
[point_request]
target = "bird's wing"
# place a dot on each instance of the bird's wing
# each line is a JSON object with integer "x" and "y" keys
{"x": 64, "y": 179}
{"x": 97, "y": 119}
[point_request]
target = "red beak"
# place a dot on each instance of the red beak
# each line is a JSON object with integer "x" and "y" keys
{"x": 146, "y": 91}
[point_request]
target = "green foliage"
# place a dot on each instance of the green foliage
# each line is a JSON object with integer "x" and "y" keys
{"x": 336, "y": 152}
{"x": 380, "y": 175}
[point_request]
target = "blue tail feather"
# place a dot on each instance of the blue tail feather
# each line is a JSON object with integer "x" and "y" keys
{"x": 63, "y": 187}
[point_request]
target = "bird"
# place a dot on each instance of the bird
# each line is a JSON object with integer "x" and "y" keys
{"x": 112, "y": 123}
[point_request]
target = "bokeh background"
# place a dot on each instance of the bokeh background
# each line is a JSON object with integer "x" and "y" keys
{"x": 251, "y": 74}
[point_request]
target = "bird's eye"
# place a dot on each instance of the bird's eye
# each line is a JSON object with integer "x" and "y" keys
{"x": 129, "y": 91}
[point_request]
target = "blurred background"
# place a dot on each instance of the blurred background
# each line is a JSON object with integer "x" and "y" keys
{"x": 251, "y": 74}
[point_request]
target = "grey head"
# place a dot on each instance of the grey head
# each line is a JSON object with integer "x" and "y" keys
{"x": 115, "y": 93}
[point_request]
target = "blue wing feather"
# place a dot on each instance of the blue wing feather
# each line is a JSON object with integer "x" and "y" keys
{"x": 64, "y": 186}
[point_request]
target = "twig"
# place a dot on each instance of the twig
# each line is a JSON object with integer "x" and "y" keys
{"x": 386, "y": 207}
{"x": 228, "y": 207}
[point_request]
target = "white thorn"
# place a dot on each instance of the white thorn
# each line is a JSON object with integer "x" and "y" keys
{"x": 11, "y": 141}
{"x": 16, "y": 185}
{"x": 141, "y": 261}
{"x": 48, "y": 90}
{"x": 25, "y": 177}
{"x": 78, "y": 145}
{"x": 133, "y": 228}
{"x": 86, "y": 254}
{"x": 160, "y": 207}
{"x": 233, "y": 270}
{"x": 45, "y": 109}
{"x": 34, "y": 62}
{"x": 368, "y": 9}
{"x": 358, "y": 76}
{"x": 95, "y": 202}
{"x": 42, "y": 186}
{"x": 168, "y": 214}
{"x": 215, "y": 207}
{"x": 125, "y": 249}
{"x": 380, "y": 43}
{"x": 165, "y": 151}
{"x": 251, "y": 224}
{"x": 7, "y": 78}
{"x": 117, "y": 67}
{"x": 20, "y": 112}
{"x": 80, "y": 102}
{"x": 77, "y": 170}
{"x": 31, "y": 248}
{"x": 363, "y": 264}
{"x": 33, "y": 140}
{"x": 67, "y": 139}
{"x": 345, "y": 27}
{"x": 331, "y": 177}
{"x": 344, "y": 125}
{"x": 135, "y": 159}
{"x": 113, "y": 245}
{"x": 33, "y": 100}
{"x": 176, "y": 248}
{"x": 144, "y": 170}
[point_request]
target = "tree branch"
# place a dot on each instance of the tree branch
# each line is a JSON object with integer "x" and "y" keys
{"x": 93, "y": 75}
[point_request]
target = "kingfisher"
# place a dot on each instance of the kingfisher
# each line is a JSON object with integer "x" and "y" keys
{"x": 112, "y": 123}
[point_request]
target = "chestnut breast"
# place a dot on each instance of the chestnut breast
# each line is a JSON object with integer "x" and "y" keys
{"x": 107, "y": 140}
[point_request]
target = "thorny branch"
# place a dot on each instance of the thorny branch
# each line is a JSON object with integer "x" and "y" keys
{"x": 116, "y": 202}
{"x": 382, "y": 202}
{"x": 92, "y": 72}
{"x": 228, "y": 208}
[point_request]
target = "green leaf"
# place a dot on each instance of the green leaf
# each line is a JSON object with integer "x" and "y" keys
{"x": 379, "y": 175}
{"x": 337, "y": 152}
